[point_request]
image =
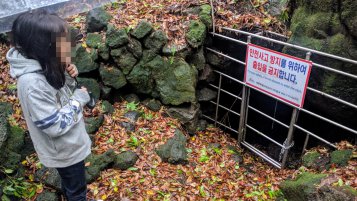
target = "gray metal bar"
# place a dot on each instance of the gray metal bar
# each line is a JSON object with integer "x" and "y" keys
{"x": 218, "y": 97}
{"x": 292, "y": 45}
{"x": 224, "y": 55}
{"x": 230, "y": 77}
{"x": 305, "y": 143}
{"x": 261, "y": 154}
{"x": 330, "y": 121}
{"x": 293, "y": 120}
{"x": 332, "y": 97}
{"x": 265, "y": 136}
{"x": 277, "y": 34}
{"x": 267, "y": 116}
{"x": 219, "y": 123}
{"x": 229, "y": 110}
{"x": 228, "y": 38}
{"x": 335, "y": 71}
{"x": 315, "y": 136}
{"x": 227, "y": 92}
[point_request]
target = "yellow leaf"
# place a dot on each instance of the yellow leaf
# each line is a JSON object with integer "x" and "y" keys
{"x": 84, "y": 45}
{"x": 115, "y": 189}
{"x": 150, "y": 192}
{"x": 31, "y": 177}
{"x": 104, "y": 197}
{"x": 24, "y": 162}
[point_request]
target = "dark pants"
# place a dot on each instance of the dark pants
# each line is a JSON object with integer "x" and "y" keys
{"x": 74, "y": 182}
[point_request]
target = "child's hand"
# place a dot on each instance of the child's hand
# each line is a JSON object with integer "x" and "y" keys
{"x": 72, "y": 70}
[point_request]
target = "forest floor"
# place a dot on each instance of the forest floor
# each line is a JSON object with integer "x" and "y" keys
{"x": 211, "y": 173}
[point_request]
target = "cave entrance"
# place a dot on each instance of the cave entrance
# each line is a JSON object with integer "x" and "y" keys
{"x": 259, "y": 120}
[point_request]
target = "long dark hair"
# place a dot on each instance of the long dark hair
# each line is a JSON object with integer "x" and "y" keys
{"x": 34, "y": 36}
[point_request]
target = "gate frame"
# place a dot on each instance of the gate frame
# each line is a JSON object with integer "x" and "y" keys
{"x": 244, "y": 110}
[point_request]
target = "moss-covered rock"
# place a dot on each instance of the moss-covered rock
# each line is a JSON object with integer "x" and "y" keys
{"x": 112, "y": 77}
{"x": 174, "y": 150}
{"x": 94, "y": 40}
{"x": 143, "y": 29}
{"x": 116, "y": 37}
{"x": 93, "y": 123}
{"x": 140, "y": 78}
{"x": 85, "y": 60}
{"x": 107, "y": 108}
{"x": 16, "y": 139}
{"x": 173, "y": 50}
{"x": 205, "y": 15}
{"x": 103, "y": 51}
{"x": 91, "y": 84}
{"x": 156, "y": 41}
{"x": 197, "y": 59}
{"x": 196, "y": 34}
{"x": 49, "y": 176}
{"x": 97, "y": 19}
{"x": 310, "y": 159}
{"x": 105, "y": 92}
{"x": 341, "y": 157}
{"x": 302, "y": 188}
{"x": 47, "y": 195}
{"x": 153, "y": 105}
{"x": 135, "y": 48}
{"x": 349, "y": 15}
{"x": 124, "y": 59}
{"x": 336, "y": 193}
{"x": 188, "y": 116}
{"x": 98, "y": 163}
{"x": 176, "y": 83}
{"x": 125, "y": 160}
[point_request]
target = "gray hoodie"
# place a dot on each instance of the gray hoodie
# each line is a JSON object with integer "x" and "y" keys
{"x": 54, "y": 117}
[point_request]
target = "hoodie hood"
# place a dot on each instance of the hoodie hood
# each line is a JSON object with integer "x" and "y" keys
{"x": 19, "y": 65}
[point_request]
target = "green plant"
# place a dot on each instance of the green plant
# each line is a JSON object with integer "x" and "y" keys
{"x": 148, "y": 116}
{"x": 172, "y": 58}
{"x": 132, "y": 106}
{"x": 133, "y": 141}
{"x": 17, "y": 187}
{"x": 204, "y": 157}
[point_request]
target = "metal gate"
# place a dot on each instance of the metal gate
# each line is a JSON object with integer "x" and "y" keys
{"x": 246, "y": 107}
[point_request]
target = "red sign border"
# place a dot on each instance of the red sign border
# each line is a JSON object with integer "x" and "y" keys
{"x": 285, "y": 55}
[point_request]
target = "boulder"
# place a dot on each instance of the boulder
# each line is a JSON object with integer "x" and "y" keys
{"x": 4, "y": 129}
{"x": 103, "y": 51}
{"x": 49, "y": 176}
{"x": 277, "y": 8}
{"x": 116, "y": 37}
{"x": 156, "y": 41}
{"x": 188, "y": 116}
{"x": 93, "y": 123}
{"x": 135, "y": 48}
{"x": 75, "y": 34}
{"x": 91, "y": 84}
{"x": 205, "y": 15}
{"x": 125, "y": 160}
{"x": 201, "y": 125}
{"x": 174, "y": 150}
{"x": 132, "y": 98}
{"x": 341, "y": 157}
{"x": 105, "y": 92}
{"x": 173, "y": 50}
{"x": 143, "y": 29}
{"x": 302, "y": 188}
{"x": 349, "y": 15}
{"x": 196, "y": 34}
{"x": 153, "y": 105}
{"x": 85, "y": 60}
{"x": 176, "y": 82}
{"x": 197, "y": 59}
{"x": 12, "y": 147}
{"x": 124, "y": 59}
{"x": 207, "y": 74}
{"x": 315, "y": 160}
{"x": 206, "y": 94}
{"x": 98, "y": 163}
{"x": 129, "y": 126}
{"x": 94, "y": 40}
{"x": 141, "y": 80}
{"x": 107, "y": 108}
{"x": 316, "y": 187}
{"x": 47, "y": 195}
{"x": 112, "y": 77}
{"x": 132, "y": 116}
{"x": 97, "y": 19}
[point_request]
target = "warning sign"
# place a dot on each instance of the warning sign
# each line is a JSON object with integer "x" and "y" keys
{"x": 282, "y": 76}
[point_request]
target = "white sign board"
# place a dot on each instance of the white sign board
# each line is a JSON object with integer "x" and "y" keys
{"x": 282, "y": 76}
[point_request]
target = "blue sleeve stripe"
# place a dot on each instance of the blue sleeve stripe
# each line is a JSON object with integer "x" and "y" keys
{"x": 47, "y": 119}
{"x": 49, "y": 123}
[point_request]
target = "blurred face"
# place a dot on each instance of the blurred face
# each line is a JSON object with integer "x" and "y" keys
{"x": 63, "y": 48}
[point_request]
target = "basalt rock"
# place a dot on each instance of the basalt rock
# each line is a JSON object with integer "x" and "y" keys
{"x": 174, "y": 150}
{"x": 97, "y": 20}
{"x": 112, "y": 77}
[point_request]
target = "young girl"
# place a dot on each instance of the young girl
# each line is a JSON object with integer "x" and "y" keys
{"x": 40, "y": 60}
